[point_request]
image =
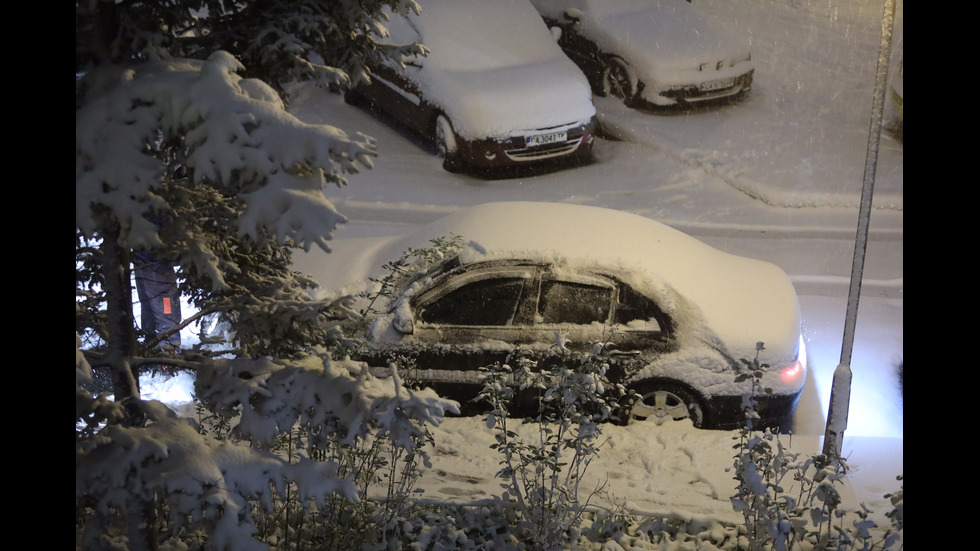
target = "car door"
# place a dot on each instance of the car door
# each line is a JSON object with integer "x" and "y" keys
{"x": 394, "y": 88}
{"x": 473, "y": 316}
{"x": 589, "y": 309}
{"x": 577, "y": 308}
{"x": 476, "y": 315}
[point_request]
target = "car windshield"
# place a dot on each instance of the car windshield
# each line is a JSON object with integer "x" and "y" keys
{"x": 480, "y": 36}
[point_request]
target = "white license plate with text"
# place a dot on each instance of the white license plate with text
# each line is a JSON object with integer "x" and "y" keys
{"x": 717, "y": 84}
{"x": 545, "y": 139}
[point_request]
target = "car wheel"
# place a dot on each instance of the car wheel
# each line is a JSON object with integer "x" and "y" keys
{"x": 662, "y": 402}
{"x": 616, "y": 81}
{"x": 446, "y": 145}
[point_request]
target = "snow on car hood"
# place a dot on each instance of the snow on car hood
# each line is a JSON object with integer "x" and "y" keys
{"x": 494, "y": 68}
{"x": 507, "y": 101}
{"x": 661, "y": 35}
{"x": 740, "y": 301}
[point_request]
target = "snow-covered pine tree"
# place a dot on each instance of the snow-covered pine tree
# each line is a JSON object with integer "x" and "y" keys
{"x": 184, "y": 149}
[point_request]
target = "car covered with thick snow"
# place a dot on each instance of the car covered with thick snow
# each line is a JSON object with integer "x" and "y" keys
{"x": 652, "y": 52}
{"x": 494, "y": 90}
{"x": 674, "y": 317}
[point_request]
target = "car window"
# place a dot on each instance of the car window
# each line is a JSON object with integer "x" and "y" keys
{"x": 636, "y": 310}
{"x": 486, "y": 302}
{"x": 576, "y": 303}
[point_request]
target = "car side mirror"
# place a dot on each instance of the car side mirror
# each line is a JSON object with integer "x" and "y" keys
{"x": 573, "y": 15}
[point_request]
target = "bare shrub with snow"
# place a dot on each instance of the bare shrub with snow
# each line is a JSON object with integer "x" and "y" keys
{"x": 790, "y": 502}
{"x": 543, "y": 475}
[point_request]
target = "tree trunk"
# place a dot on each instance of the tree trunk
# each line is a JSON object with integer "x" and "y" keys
{"x": 121, "y": 338}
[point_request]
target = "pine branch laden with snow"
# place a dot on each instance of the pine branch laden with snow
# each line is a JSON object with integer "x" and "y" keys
{"x": 327, "y": 42}
{"x": 238, "y": 138}
{"x": 189, "y": 159}
{"x": 294, "y": 38}
{"x": 326, "y": 397}
{"x": 203, "y": 481}
{"x": 216, "y": 485}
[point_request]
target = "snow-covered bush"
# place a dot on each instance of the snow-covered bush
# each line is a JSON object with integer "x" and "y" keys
{"x": 574, "y": 396}
{"x": 125, "y": 475}
{"x": 412, "y": 263}
{"x": 455, "y": 527}
{"x": 184, "y": 150}
{"x": 790, "y": 502}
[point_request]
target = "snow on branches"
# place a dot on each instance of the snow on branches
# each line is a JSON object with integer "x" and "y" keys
{"x": 219, "y": 483}
{"x": 328, "y": 397}
{"x": 232, "y": 133}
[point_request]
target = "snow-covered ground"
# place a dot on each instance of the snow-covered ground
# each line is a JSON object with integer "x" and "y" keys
{"x": 776, "y": 177}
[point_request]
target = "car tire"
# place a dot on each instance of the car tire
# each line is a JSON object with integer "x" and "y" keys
{"x": 660, "y": 402}
{"x": 616, "y": 81}
{"x": 447, "y": 146}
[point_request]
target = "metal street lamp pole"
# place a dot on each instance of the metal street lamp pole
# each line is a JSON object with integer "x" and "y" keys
{"x": 840, "y": 391}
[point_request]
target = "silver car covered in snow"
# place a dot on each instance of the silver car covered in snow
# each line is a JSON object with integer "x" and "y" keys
{"x": 676, "y": 317}
{"x": 653, "y": 52}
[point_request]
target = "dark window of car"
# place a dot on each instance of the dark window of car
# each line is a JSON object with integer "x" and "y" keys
{"x": 578, "y": 303}
{"x": 487, "y": 302}
{"x": 633, "y": 306}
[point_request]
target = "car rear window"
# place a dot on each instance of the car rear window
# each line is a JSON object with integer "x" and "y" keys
{"x": 634, "y": 307}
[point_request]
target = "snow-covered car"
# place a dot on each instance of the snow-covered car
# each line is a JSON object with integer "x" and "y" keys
{"x": 651, "y": 52}
{"x": 675, "y": 317}
{"x": 494, "y": 90}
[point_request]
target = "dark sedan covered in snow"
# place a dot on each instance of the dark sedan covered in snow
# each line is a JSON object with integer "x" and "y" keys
{"x": 495, "y": 89}
{"x": 652, "y": 52}
{"x": 675, "y": 316}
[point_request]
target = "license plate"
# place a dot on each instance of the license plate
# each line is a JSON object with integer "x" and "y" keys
{"x": 717, "y": 84}
{"x": 545, "y": 139}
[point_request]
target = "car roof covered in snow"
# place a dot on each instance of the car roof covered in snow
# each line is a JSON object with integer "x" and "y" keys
{"x": 741, "y": 300}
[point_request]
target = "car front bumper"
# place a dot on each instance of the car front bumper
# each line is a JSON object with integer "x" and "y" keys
{"x": 696, "y": 93}
{"x": 575, "y": 141}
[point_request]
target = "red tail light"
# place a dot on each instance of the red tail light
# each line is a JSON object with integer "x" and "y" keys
{"x": 791, "y": 373}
